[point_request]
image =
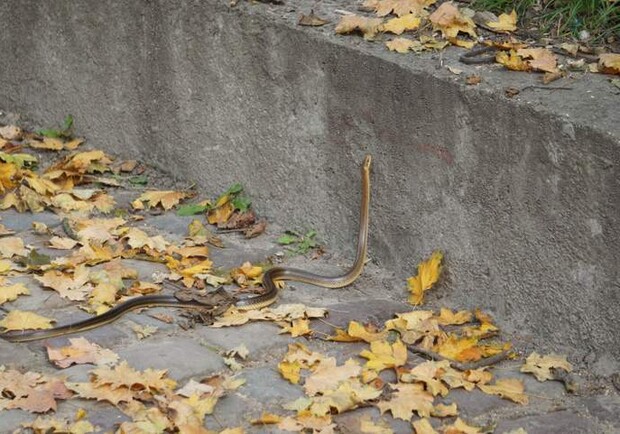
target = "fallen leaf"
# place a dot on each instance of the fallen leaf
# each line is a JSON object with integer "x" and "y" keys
{"x": 460, "y": 427}
{"x": 450, "y": 21}
{"x": 512, "y": 60}
{"x": 12, "y": 246}
{"x": 368, "y": 426}
{"x": 428, "y": 275}
{"x": 167, "y": 199}
{"x": 540, "y": 59}
{"x": 473, "y": 79}
{"x": 542, "y": 366}
{"x": 62, "y": 243}
{"x": 506, "y": 23}
{"x": 423, "y": 426}
{"x": 327, "y": 375}
{"x": 311, "y": 20}
{"x": 609, "y": 63}
{"x": 407, "y": 399}
{"x": 143, "y": 331}
{"x": 398, "y": 7}
{"x": 267, "y": 419}
{"x": 369, "y": 27}
{"x": 383, "y": 355}
{"x": 23, "y": 320}
{"x": 402, "y": 24}
{"x": 402, "y": 45}
{"x": 80, "y": 351}
{"x": 10, "y": 293}
{"x": 509, "y": 388}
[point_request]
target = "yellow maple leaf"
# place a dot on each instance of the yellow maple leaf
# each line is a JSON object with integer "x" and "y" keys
{"x": 383, "y": 355}
{"x": 504, "y": 23}
{"x": 609, "y": 63}
{"x": 367, "y": 334}
{"x": 10, "y": 293}
{"x": 298, "y": 327}
{"x": 541, "y": 366}
{"x": 220, "y": 214}
{"x": 80, "y": 351}
{"x": 509, "y": 388}
{"x": 460, "y": 427}
{"x": 403, "y": 45}
{"x": 23, "y": 320}
{"x": 8, "y": 175}
{"x": 402, "y": 24}
{"x": 423, "y": 426}
{"x": 369, "y": 27}
{"x": 168, "y": 198}
{"x": 12, "y": 246}
{"x": 267, "y": 419}
{"x": 327, "y": 375}
{"x": 450, "y": 21}
{"x": 428, "y": 274}
{"x": 398, "y": 7}
{"x": 429, "y": 373}
{"x": 290, "y": 370}
{"x": 407, "y": 399}
{"x": 540, "y": 59}
{"x": 447, "y": 317}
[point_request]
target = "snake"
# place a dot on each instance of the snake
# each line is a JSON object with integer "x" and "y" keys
{"x": 219, "y": 300}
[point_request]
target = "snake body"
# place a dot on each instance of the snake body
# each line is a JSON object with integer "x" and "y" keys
{"x": 220, "y": 299}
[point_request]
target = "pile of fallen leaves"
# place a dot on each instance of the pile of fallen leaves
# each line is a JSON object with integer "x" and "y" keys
{"x": 429, "y": 25}
{"x": 96, "y": 238}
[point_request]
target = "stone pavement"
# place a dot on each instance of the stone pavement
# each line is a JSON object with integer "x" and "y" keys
{"x": 198, "y": 352}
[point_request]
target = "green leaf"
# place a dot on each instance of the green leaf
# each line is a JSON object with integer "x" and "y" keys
{"x": 234, "y": 189}
{"x": 139, "y": 180}
{"x": 50, "y": 132}
{"x": 242, "y": 203}
{"x": 192, "y": 209}
{"x": 287, "y": 239}
{"x": 68, "y": 123}
{"x": 20, "y": 160}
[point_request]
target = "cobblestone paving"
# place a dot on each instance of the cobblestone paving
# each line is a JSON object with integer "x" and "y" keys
{"x": 197, "y": 352}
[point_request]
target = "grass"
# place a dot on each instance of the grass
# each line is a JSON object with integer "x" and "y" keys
{"x": 563, "y": 18}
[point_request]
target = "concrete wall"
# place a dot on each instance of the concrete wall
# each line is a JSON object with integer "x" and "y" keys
{"x": 525, "y": 204}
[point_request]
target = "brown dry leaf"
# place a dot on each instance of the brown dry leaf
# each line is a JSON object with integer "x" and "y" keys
{"x": 506, "y": 23}
{"x": 428, "y": 274}
{"x": 398, "y": 7}
{"x": 10, "y": 293}
{"x": 12, "y": 246}
{"x": 31, "y": 391}
{"x": 128, "y": 166}
{"x": 168, "y": 199}
{"x": 407, "y": 399}
{"x": 80, "y": 351}
{"x": 369, "y": 27}
{"x": 327, "y": 375}
{"x": 311, "y": 20}
{"x": 383, "y": 355}
{"x": 473, "y": 79}
{"x": 23, "y": 320}
{"x": 508, "y": 388}
{"x": 399, "y": 25}
{"x": 542, "y": 366}
{"x": 11, "y": 132}
{"x": 423, "y": 426}
{"x": 609, "y": 63}
{"x": 540, "y": 59}
{"x": 450, "y": 21}
{"x": 403, "y": 45}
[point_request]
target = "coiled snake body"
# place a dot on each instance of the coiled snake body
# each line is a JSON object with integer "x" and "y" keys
{"x": 219, "y": 298}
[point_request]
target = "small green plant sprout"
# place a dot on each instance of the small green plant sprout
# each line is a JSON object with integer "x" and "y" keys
{"x": 66, "y": 132}
{"x": 297, "y": 243}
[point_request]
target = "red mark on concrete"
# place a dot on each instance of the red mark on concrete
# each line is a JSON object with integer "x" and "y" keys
{"x": 438, "y": 151}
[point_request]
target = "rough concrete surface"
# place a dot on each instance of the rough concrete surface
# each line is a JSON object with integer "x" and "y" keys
{"x": 522, "y": 195}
